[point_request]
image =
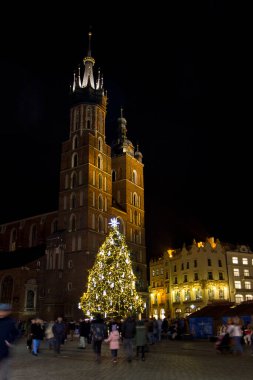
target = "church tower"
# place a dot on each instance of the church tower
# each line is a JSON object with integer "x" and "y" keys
{"x": 85, "y": 181}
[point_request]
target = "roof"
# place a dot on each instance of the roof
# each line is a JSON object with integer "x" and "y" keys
{"x": 21, "y": 256}
{"x": 213, "y": 310}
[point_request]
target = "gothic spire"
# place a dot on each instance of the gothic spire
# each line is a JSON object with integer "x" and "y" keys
{"x": 88, "y": 78}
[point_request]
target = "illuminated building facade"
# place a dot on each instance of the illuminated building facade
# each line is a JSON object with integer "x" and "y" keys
{"x": 184, "y": 280}
{"x": 240, "y": 273}
{"x": 97, "y": 182}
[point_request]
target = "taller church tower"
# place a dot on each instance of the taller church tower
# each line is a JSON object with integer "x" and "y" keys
{"x": 94, "y": 186}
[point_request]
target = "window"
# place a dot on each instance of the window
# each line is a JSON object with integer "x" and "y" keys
{"x": 238, "y": 298}
{"x": 13, "y": 239}
{"x": 235, "y": 260}
{"x": 209, "y": 262}
{"x": 66, "y": 181}
{"x": 73, "y": 180}
{"x": 182, "y": 266}
{"x": 88, "y": 117}
{"x": 100, "y": 224}
{"x": 113, "y": 175}
{"x": 210, "y": 275}
{"x": 196, "y": 276}
{"x": 187, "y": 265}
{"x": 187, "y": 295}
{"x": 77, "y": 120}
{"x": 221, "y": 294}
{"x": 33, "y": 236}
{"x": 135, "y": 199}
{"x": 70, "y": 264}
{"x": 238, "y": 285}
{"x": 177, "y": 296}
{"x": 161, "y": 271}
{"x": 175, "y": 268}
{"x": 157, "y": 272}
{"x": 105, "y": 204}
{"x": 100, "y": 181}
{"x": 236, "y": 272}
{"x": 73, "y": 201}
{"x": 30, "y": 299}
{"x": 54, "y": 225}
{"x": 100, "y": 162}
{"x": 185, "y": 278}
{"x": 135, "y": 217}
{"x": 198, "y": 294}
{"x": 221, "y": 276}
{"x": 69, "y": 286}
{"x": 74, "y": 161}
{"x": 167, "y": 276}
{"x": 153, "y": 284}
{"x": 105, "y": 184}
{"x": 245, "y": 261}
{"x": 249, "y": 297}
{"x": 100, "y": 202}
{"x": 195, "y": 263}
{"x": 6, "y": 290}
{"x": 219, "y": 263}
{"x": 79, "y": 243}
{"x": 100, "y": 144}
{"x": 134, "y": 176}
{"x": 247, "y": 285}
{"x": 246, "y": 272}
{"x": 153, "y": 272}
{"x": 74, "y": 142}
{"x": 72, "y": 223}
{"x": 175, "y": 280}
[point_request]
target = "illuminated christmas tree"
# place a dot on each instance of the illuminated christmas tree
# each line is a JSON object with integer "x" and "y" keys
{"x": 111, "y": 283}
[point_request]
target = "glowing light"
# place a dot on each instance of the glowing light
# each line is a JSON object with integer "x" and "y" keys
{"x": 114, "y": 223}
{"x": 170, "y": 252}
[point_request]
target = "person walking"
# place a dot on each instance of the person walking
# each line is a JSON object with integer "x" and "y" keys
{"x": 113, "y": 341}
{"x": 99, "y": 333}
{"x": 59, "y": 331}
{"x": 140, "y": 339}
{"x": 128, "y": 334}
{"x": 8, "y": 334}
{"x": 37, "y": 333}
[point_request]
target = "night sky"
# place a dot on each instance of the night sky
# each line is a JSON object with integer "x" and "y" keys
{"x": 181, "y": 75}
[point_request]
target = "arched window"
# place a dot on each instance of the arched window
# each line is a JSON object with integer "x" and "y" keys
{"x": 100, "y": 121}
{"x": 54, "y": 225}
{"x": 134, "y": 176}
{"x": 74, "y": 161}
{"x": 105, "y": 184}
{"x": 100, "y": 144}
{"x": 73, "y": 201}
{"x": 13, "y": 239}
{"x": 66, "y": 181}
{"x": 100, "y": 224}
{"x": 100, "y": 202}
{"x": 30, "y": 299}
{"x": 33, "y": 236}
{"x": 73, "y": 180}
{"x": 88, "y": 117}
{"x": 105, "y": 204}
{"x": 6, "y": 290}
{"x": 75, "y": 142}
{"x": 113, "y": 175}
{"x": 77, "y": 120}
{"x": 72, "y": 223}
{"x": 135, "y": 199}
{"x": 100, "y": 181}
{"x": 100, "y": 162}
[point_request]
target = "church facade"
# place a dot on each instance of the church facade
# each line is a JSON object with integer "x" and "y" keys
{"x": 97, "y": 182}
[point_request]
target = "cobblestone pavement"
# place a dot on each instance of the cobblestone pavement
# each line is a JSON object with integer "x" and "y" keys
{"x": 175, "y": 360}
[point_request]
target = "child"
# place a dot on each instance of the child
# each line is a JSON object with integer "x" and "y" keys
{"x": 113, "y": 339}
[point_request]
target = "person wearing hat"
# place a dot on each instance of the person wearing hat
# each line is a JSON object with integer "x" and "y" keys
{"x": 8, "y": 334}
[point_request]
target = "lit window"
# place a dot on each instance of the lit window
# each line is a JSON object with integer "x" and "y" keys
{"x": 153, "y": 272}
{"x": 246, "y": 272}
{"x": 100, "y": 144}
{"x": 238, "y": 285}
{"x": 134, "y": 176}
{"x": 249, "y": 297}
{"x": 221, "y": 294}
{"x": 236, "y": 272}
{"x": 238, "y": 298}
{"x": 161, "y": 270}
{"x": 247, "y": 285}
{"x": 235, "y": 260}
{"x": 245, "y": 261}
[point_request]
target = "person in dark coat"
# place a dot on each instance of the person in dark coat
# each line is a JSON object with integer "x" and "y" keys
{"x": 128, "y": 334}
{"x": 8, "y": 334}
{"x": 140, "y": 339}
{"x": 99, "y": 333}
{"x": 59, "y": 331}
{"x": 37, "y": 333}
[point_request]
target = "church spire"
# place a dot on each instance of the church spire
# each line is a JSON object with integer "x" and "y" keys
{"x": 88, "y": 78}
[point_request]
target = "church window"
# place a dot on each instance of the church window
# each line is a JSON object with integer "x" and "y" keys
{"x": 100, "y": 144}
{"x": 100, "y": 181}
{"x": 113, "y": 175}
{"x": 74, "y": 142}
{"x": 72, "y": 223}
{"x": 74, "y": 160}
{"x": 66, "y": 181}
{"x": 100, "y": 162}
{"x": 134, "y": 176}
{"x": 73, "y": 180}
{"x": 100, "y": 202}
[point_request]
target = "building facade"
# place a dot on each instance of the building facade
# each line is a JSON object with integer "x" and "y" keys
{"x": 185, "y": 280}
{"x": 240, "y": 273}
{"x": 97, "y": 182}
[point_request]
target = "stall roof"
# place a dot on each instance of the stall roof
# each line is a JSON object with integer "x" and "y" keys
{"x": 215, "y": 310}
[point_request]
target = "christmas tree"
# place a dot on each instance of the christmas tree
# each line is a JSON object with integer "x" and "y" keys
{"x": 111, "y": 282}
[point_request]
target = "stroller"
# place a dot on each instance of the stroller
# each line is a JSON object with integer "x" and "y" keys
{"x": 223, "y": 344}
